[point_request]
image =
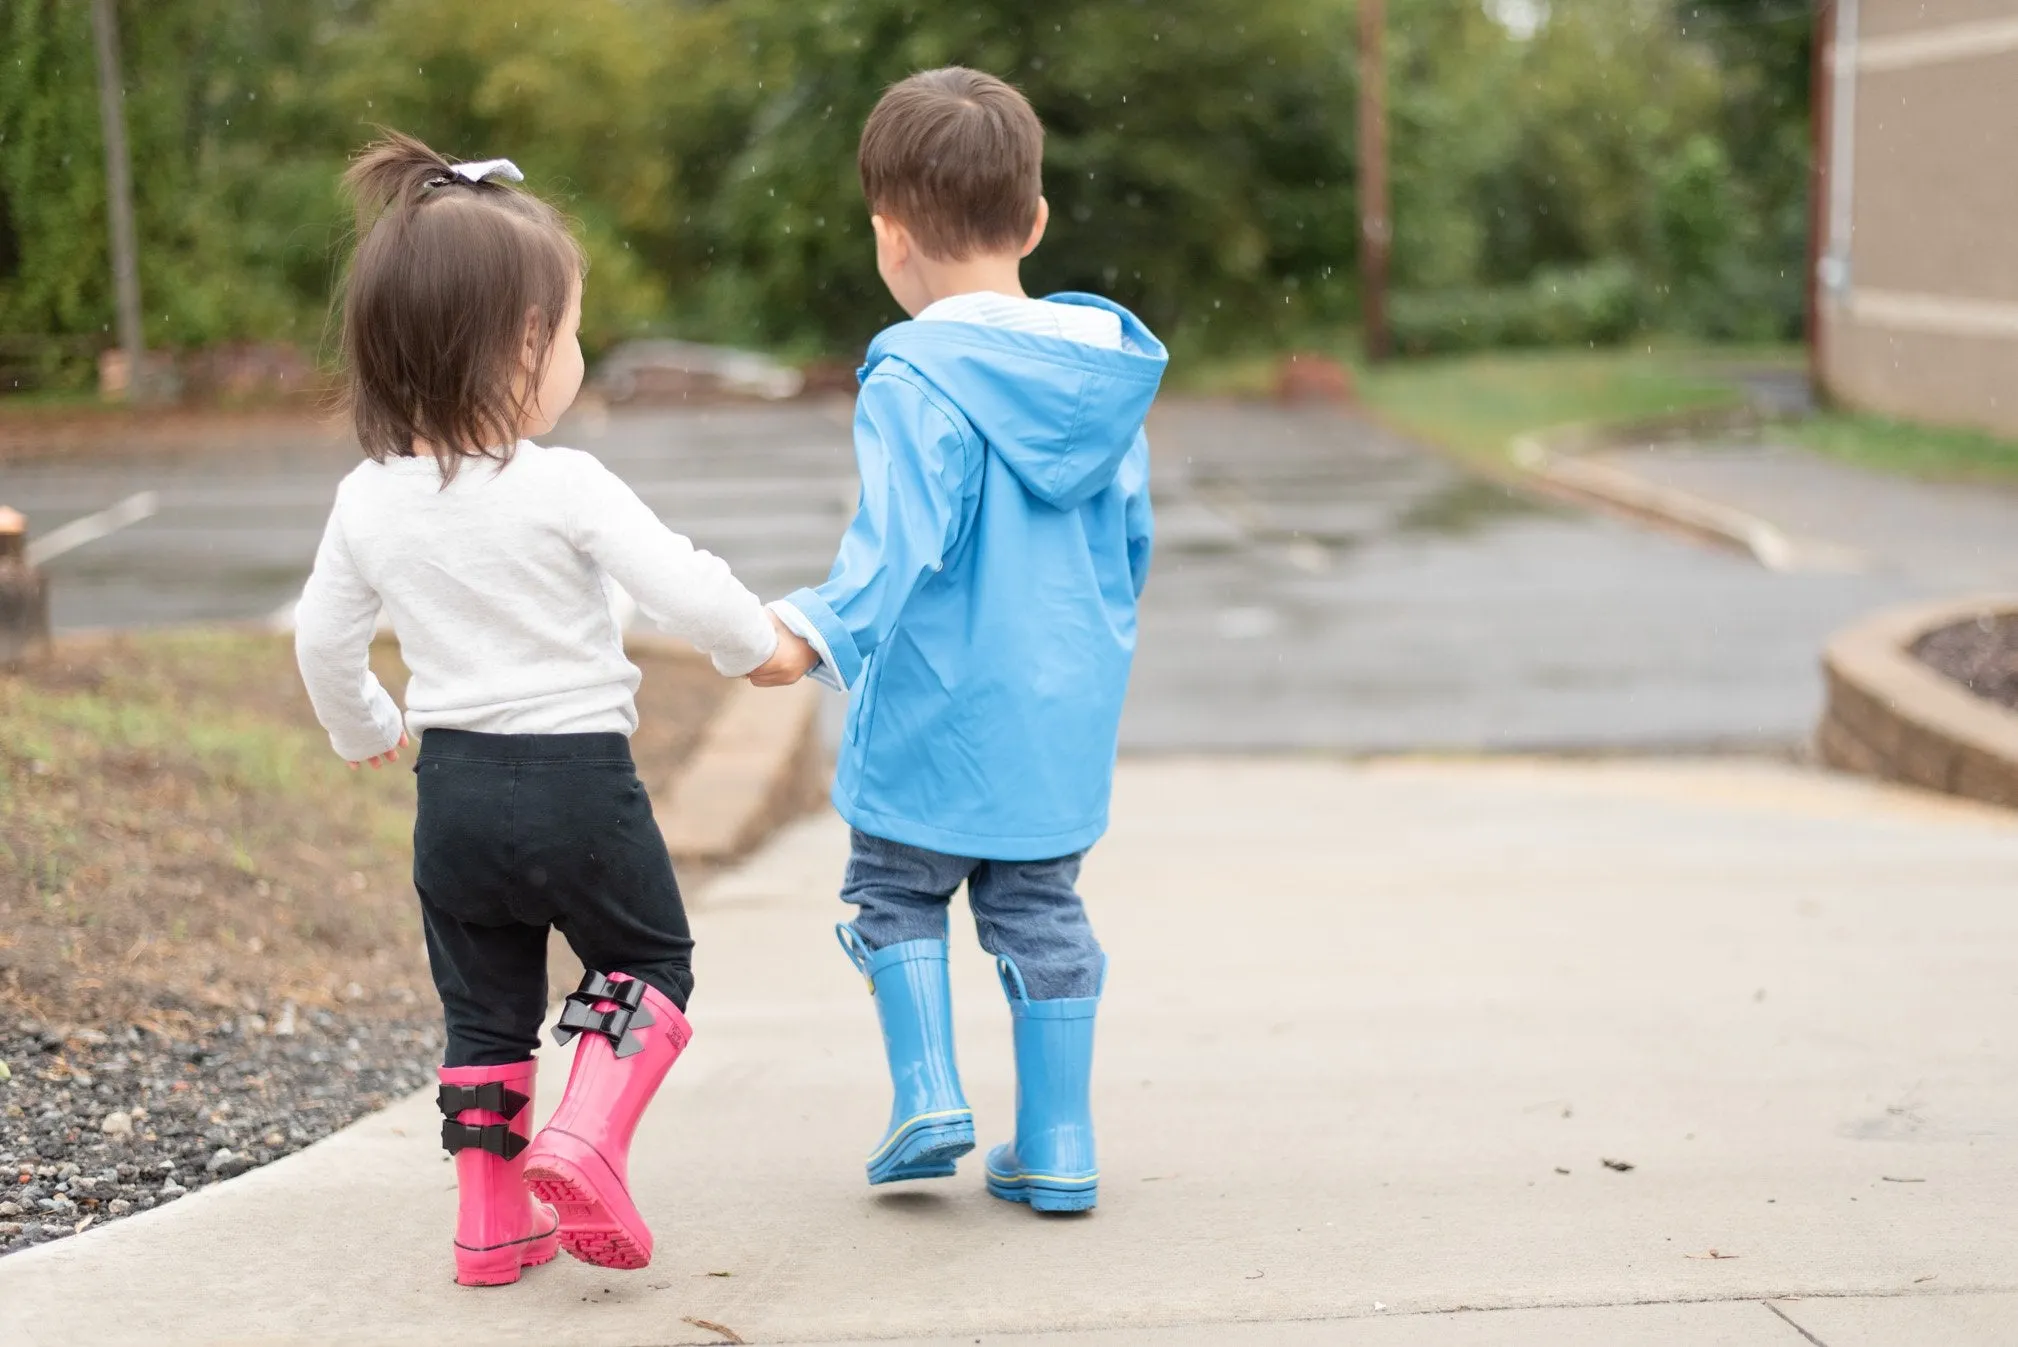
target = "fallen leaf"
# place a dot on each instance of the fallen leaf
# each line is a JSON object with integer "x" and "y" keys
{"x": 1929, "y": 1277}
{"x": 1561, "y": 1170}
{"x": 1622, "y": 1166}
{"x": 1889, "y": 1179}
{"x": 728, "y": 1334}
{"x": 84, "y": 1225}
{"x": 721, "y": 1274}
{"x": 1254, "y": 1276}
{"x": 1711, "y": 1254}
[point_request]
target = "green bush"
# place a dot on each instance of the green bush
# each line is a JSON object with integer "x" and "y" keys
{"x": 1596, "y": 305}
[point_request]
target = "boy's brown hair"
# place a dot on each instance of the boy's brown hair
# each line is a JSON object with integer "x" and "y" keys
{"x": 448, "y": 281}
{"x": 957, "y": 157}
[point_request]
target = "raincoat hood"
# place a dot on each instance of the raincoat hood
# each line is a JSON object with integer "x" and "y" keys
{"x": 1061, "y": 414}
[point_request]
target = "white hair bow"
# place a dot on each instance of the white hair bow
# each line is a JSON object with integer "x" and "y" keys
{"x": 484, "y": 168}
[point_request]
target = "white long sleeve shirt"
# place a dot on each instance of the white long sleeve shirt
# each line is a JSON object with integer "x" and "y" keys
{"x": 495, "y": 586}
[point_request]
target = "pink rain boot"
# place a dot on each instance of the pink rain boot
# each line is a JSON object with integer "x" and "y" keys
{"x": 630, "y": 1037}
{"x": 487, "y": 1114}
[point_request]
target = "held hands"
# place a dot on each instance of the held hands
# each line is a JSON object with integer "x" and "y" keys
{"x": 390, "y": 755}
{"x": 788, "y": 664}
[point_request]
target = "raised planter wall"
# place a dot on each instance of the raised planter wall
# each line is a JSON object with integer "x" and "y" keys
{"x": 1893, "y": 717}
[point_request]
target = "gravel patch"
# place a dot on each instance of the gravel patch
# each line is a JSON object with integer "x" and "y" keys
{"x": 1981, "y": 655}
{"x": 97, "y": 1125}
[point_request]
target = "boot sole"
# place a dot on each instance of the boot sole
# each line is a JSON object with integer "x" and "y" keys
{"x": 501, "y": 1266}
{"x": 1055, "y": 1195}
{"x": 599, "y": 1224}
{"x": 925, "y": 1151}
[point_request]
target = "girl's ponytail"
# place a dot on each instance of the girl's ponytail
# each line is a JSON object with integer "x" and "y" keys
{"x": 395, "y": 171}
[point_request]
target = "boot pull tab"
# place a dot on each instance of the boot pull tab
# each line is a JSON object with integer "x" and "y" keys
{"x": 857, "y": 952}
{"x": 1012, "y": 979}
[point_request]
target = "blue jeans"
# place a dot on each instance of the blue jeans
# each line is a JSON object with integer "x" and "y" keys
{"x": 1027, "y": 911}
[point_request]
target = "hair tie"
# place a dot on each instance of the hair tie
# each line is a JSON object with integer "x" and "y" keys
{"x": 475, "y": 173}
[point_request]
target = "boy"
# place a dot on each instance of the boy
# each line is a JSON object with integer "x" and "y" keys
{"x": 981, "y": 616}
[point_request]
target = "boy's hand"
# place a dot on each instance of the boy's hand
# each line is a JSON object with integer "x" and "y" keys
{"x": 787, "y": 664}
{"x": 390, "y": 755}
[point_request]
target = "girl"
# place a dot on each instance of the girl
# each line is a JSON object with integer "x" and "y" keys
{"x": 489, "y": 553}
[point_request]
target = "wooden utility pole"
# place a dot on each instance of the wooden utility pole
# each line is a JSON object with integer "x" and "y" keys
{"x": 1822, "y": 131}
{"x": 1375, "y": 228}
{"x": 119, "y": 197}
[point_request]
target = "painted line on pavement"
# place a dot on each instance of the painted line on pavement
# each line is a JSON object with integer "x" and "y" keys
{"x": 92, "y": 527}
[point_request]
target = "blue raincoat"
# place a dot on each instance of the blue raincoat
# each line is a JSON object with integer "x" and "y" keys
{"x": 981, "y": 612}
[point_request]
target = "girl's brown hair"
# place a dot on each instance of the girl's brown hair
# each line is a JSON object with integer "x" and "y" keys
{"x": 448, "y": 281}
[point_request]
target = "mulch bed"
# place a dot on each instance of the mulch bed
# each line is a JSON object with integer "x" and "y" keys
{"x": 98, "y": 1125}
{"x": 209, "y": 952}
{"x": 1981, "y": 655}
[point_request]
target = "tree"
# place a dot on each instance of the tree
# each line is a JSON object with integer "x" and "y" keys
{"x": 1453, "y": 75}
{"x": 1764, "y": 51}
{"x": 575, "y": 94}
{"x": 232, "y": 202}
{"x": 1198, "y": 169}
{"x": 1645, "y": 158}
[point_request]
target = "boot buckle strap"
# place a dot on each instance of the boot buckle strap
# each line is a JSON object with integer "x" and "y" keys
{"x": 491, "y": 1096}
{"x": 497, "y": 1138}
{"x": 579, "y": 1015}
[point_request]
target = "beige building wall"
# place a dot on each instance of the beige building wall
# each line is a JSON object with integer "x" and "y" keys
{"x": 1919, "y": 306}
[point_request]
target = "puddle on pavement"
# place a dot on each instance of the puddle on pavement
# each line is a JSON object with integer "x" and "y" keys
{"x": 1466, "y": 506}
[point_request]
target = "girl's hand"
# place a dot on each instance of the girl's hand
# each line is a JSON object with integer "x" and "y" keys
{"x": 789, "y": 663}
{"x": 390, "y": 755}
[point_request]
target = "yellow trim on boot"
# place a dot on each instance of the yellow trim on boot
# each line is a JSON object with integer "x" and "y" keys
{"x": 897, "y": 1132}
{"x": 1094, "y": 1177}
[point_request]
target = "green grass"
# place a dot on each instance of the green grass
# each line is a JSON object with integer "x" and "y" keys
{"x": 164, "y": 794}
{"x": 1245, "y": 375}
{"x": 1476, "y": 405}
{"x": 1908, "y": 449}
{"x": 31, "y": 402}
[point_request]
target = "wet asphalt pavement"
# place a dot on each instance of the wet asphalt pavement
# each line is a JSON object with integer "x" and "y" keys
{"x": 1318, "y": 585}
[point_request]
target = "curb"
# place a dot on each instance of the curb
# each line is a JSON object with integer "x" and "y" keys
{"x": 1614, "y": 488}
{"x": 1556, "y": 461}
{"x": 1890, "y": 716}
{"x": 1551, "y": 464}
{"x": 86, "y": 432}
{"x": 759, "y": 763}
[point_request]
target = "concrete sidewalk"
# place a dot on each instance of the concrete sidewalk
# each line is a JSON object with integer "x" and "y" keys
{"x": 1371, "y": 1034}
{"x": 1955, "y": 535}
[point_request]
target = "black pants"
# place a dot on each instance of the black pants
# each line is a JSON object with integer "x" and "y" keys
{"x": 519, "y": 832}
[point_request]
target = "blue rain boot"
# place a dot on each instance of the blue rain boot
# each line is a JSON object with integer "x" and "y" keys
{"x": 1051, "y": 1165}
{"x": 930, "y": 1123}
